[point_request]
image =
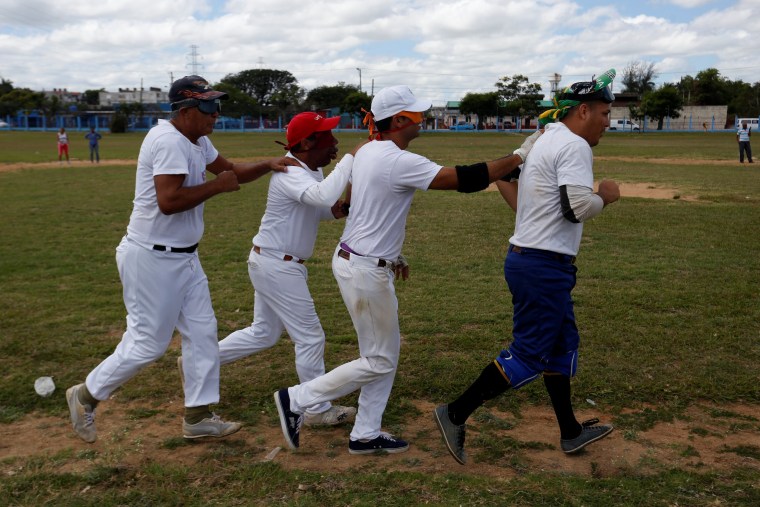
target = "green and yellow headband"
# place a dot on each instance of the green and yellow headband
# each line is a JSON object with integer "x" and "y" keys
{"x": 573, "y": 95}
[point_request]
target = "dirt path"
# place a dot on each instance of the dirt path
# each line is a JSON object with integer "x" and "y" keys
{"x": 57, "y": 165}
{"x": 698, "y": 442}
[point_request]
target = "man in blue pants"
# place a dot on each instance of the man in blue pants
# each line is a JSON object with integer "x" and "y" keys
{"x": 555, "y": 196}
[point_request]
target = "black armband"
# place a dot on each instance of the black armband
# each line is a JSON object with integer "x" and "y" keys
{"x": 567, "y": 210}
{"x": 512, "y": 175}
{"x": 472, "y": 178}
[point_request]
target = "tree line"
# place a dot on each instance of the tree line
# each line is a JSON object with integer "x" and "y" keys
{"x": 267, "y": 93}
{"x": 270, "y": 93}
{"x": 516, "y": 96}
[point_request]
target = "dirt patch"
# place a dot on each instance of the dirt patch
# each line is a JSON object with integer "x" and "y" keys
{"x": 670, "y": 161}
{"x": 699, "y": 441}
{"x": 57, "y": 165}
{"x": 642, "y": 190}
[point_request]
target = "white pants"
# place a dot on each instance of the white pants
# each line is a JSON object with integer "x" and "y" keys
{"x": 370, "y": 297}
{"x": 282, "y": 301}
{"x": 163, "y": 291}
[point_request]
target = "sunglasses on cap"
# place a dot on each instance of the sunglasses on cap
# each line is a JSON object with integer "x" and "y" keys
{"x": 204, "y": 106}
{"x": 585, "y": 92}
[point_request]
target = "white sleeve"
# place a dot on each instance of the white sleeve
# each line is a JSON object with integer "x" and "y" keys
{"x": 327, "y": 191}
{"x": 584, "y": 203}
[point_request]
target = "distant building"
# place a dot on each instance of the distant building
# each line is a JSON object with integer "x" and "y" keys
{"x": 64, "y": 95}
{"x": 133, "y": 95}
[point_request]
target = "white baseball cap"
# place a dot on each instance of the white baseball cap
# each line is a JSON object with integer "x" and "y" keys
{"x": 394, "y": 99}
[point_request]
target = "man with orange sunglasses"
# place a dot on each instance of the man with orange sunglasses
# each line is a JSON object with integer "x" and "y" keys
{"x": 368, "y": 259}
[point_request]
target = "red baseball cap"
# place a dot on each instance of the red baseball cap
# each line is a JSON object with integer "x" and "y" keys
{"x": 305, "y": 124}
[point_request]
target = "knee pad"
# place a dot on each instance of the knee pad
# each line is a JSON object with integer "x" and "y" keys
{"x": 566, "y": 363}
{"x": 518, "y": 373}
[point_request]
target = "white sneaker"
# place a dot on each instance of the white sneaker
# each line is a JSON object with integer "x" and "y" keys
{"x": 334, "y": 416}
{"x": 82, "y": 416}
{"x": 209, "y": 427}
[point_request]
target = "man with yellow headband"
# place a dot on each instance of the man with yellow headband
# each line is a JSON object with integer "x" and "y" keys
{"x": 368, "y": 259}
{"x": 556, "y": 189}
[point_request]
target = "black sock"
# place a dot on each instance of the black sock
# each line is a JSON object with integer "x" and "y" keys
{"x": 85, "y": 398}
{"x": 558, "y": 387}
{"x": 194, "y": 415}
{"x": 488, "y": 385}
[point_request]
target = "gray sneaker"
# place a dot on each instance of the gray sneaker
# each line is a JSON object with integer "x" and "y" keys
{"x": 181, "y": 372}
{"x": 333, "y": 417}
{"x": 82, "y": 416}
{"x": 589, "y": 433}
{"x": 209, "y": 427}
{"x": 453, "y": 434}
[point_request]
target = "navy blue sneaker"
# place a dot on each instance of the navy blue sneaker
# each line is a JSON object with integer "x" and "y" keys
{"x": 590, "y": 432}
{"x": 382, "y": 442}
{"x": 289, "y": 420}
{"x": 453, "y": 434}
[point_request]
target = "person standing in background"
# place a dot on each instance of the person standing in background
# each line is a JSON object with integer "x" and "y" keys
{"x": 94, "y": 137}
{"x": 63, "y": 146}
{"x": 742, "y": 137}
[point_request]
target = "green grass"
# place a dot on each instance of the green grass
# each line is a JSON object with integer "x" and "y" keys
{"x": 667, "y": 303}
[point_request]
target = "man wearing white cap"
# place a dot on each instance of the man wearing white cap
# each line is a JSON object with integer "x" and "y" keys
{"x": 296, "y": 202}
{"x": 368, "y": 259}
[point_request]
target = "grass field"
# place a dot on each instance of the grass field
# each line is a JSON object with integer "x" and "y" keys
{"x": 668, "y": 306}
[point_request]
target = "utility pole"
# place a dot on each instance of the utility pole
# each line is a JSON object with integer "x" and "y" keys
{"x": 554, "y": 81}
{"x": 360, "y": 78}
{"x": 194, "y": 60}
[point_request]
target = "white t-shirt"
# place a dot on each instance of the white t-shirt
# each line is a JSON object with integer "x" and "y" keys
{"x": 166, "y": 151}
{"x": 743, "y": 134}
{"x": 558, "y": 158}
{"x": 63, "y": 138}
{"x": 290, "y": 225}
{"x": 384, "y": 180}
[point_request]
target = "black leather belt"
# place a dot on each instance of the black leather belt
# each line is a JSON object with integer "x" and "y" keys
{"x": 381, "y": 263}
{"x": 554, "y": 255}
{"x": 188, "y": 249}
{"x": 285, "y": 257}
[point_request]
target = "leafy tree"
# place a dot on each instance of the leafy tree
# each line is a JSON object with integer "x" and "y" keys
{"x": 519, "y": 96}
{"x": 663, "y": 103}
{"x": 481, "y": 104}
{"x": 688, "y": 87}
{"x": 712, "y": 89}
{"x": 51, "y": 106}
{"x": 5, "y": 86}
{"x": 326, "y": 97}
{"x": 273, "y": 90}
{"x": 92, "y": 97}
{"x": 355, "y": 102}
{"x": 287, "y": 100}
{"x": 239, "y": 103}
{"x": 638, "y": 77}
{"x": 20, "y": 99}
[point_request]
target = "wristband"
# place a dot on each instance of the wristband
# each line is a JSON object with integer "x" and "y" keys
{"x": 472, "y": 178}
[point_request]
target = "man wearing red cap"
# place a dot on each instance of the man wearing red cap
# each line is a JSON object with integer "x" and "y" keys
{"x": 296, "y": 202}
{"x": 384, "y": 179}
{"x": 164, "y": 284}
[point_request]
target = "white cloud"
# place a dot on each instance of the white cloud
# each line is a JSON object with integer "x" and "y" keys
{"x": 441, "y": 48}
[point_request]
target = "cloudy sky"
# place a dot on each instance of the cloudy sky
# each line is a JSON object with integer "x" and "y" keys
{"x": 442, "y": 49}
